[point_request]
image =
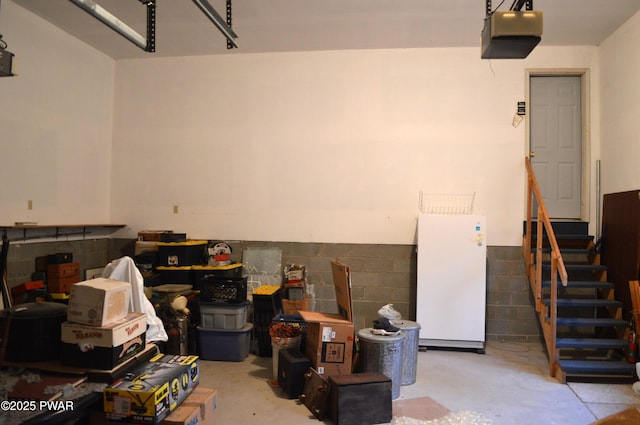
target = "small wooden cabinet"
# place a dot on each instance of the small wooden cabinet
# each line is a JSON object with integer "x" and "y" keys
{"x": 621, "y": 243}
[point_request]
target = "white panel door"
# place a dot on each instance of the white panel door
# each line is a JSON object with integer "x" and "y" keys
{"x": 556, "y": 142}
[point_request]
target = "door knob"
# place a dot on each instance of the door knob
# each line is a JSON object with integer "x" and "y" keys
{"x": 532, "y": 154}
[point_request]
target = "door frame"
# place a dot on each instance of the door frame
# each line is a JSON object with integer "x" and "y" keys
{"x": 585, "y": 100}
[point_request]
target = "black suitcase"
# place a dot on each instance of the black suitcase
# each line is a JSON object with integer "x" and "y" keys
{"x": 360, "y": 399}
{"x": 292, "y": 366}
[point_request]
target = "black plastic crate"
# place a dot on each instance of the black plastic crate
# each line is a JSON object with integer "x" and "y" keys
{"x": 223, "y": 289}
{"x": 201, "y": 272}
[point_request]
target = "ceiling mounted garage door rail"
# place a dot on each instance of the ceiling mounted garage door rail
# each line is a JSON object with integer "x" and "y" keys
{"x": 148, "y": 43}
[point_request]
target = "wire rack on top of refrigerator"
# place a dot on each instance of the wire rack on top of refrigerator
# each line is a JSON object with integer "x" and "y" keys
{"x": 446, "y": 203}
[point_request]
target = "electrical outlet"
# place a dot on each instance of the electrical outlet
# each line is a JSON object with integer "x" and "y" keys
{"x": 175, "y": 209}
{"x": 29, "y": 204}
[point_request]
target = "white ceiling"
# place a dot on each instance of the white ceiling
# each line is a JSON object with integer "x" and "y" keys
{"x": 304, "y": 25}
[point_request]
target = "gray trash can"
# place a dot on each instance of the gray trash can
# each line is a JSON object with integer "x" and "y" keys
{"x": 382, "y": 354}
{"x": 409, "y": 350}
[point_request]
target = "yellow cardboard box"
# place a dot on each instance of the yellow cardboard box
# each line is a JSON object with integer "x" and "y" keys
{"x": 180, "y": 387}
{"x": 152, "y": 390}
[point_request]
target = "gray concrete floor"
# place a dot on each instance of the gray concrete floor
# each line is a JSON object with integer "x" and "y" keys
{"x": 508, "y": 385}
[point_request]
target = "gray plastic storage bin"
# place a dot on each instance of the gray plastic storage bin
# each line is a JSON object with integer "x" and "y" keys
{"x": 225, "y": 344}
{"x": 223, "y": 315}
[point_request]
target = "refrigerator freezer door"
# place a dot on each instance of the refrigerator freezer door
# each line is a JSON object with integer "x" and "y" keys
{"x": 451, "y": 292}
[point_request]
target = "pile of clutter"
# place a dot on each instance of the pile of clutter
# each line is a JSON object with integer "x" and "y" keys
{"x": 297, "y": 293}
{"x": 383, "y": 325}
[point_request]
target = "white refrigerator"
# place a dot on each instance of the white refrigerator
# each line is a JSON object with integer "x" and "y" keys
{"x": 451, "y": 291}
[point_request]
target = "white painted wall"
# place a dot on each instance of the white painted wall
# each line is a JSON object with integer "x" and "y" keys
{"x": 321, "y": 146}
{"x": 620, "y": 108}
{"x": 56, "y": 124}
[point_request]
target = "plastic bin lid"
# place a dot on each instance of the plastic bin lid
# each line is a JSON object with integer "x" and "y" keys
{"x": 246, "y": 328}
{"x": 225, "y": 267}
{"x": 266, "y": 290}
{"x": 174, "y": 268}
{"x": 192, "y": 242}
{"x": 172, "y": 287}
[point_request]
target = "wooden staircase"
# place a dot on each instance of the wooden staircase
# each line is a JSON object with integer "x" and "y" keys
{"x": 591, "y": 336}
{"x": 581, "y": 321}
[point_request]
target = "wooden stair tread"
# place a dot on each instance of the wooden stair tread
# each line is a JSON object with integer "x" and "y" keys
{"x": 581, "y": 302}
{"x": 561, "y": 236}
{"x": 578, "y": 267}
{"x": 591, "y": 343}
{"x": 594, "y": 367}
{"x": 589, "y": 321}
{"x": 560, "y": 226}
{"x": 581, "y": 284}
{"x": 546, "y": 250}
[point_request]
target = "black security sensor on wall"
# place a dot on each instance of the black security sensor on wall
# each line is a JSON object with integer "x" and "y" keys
{"x": 512, "y": 34}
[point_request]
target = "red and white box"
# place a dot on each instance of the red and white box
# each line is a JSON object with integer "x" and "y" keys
{"x": 103, "y": 347}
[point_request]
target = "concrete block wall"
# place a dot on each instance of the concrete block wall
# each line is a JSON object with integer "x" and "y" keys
{"x": 510, "y": 312}
{"x": 90, "y": 253}
{"x": 381, "y": 274}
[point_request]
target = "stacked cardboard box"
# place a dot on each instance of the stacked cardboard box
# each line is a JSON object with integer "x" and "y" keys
{"x": 27, "y": 291}
{"x": 296, "y": 295}
{"x": 100, "y": 333}
{"x": 62, "y": 272}
{"x": 200, "y": 407}
{"x": 330, "y": 337}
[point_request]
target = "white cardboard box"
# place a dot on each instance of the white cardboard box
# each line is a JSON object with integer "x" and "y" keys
{"x": 98, "y": 302}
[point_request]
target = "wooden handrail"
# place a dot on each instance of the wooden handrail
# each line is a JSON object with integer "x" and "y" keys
{"x": 546, "y": 315}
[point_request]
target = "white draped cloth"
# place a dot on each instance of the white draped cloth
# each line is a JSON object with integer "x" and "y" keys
{"x": 124, "y": 269}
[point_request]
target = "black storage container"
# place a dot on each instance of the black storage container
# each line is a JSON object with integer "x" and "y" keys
{"x": 265, "y": 308}
{"x": 34, "y": 331}
{"x": 186, "y": 253}
{"x": 360, "y": 399}
{"x": 292, "y": 366}
{"x": 182, "y": 274}
{"x": 173, "y": 237}
{"x": 60, "y": 258}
